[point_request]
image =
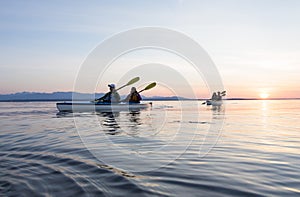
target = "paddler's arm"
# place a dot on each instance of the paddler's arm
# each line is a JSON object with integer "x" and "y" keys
{"x": 102, "y": 98}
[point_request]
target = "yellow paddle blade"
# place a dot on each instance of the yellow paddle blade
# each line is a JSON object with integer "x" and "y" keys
{"x": 132, "y": 81}
{"x": 151, "y": 85}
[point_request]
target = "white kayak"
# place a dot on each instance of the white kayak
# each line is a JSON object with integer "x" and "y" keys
{"x": 214, "y": 103}
{"x": 90, "y": 107}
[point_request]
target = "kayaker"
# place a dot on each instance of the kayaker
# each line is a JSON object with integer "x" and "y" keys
{"x": 111, "y": 97}
{"x": 133, "y": 97}
{"x": 219, "y": 97}
{"x": 214, "y": 96}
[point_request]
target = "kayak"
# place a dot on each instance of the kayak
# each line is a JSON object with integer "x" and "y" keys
{"x": 103, "y": 107}
{"x": 214, "y": 103}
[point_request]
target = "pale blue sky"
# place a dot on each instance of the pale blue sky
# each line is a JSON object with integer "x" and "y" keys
{"x": 255, "y": 44}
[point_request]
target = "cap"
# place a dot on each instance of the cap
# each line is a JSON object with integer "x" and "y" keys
{"x": 111, "y": 85}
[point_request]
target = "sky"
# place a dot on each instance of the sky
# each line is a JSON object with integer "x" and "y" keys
{"x": 255, "y": 44}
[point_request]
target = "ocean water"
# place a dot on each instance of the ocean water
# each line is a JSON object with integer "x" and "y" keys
{"x": 244, "y": 148}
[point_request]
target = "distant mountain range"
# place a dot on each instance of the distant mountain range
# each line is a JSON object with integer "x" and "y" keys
{"x": 67, "y": 96}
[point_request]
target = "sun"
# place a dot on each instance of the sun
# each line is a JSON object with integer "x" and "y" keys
{"x": 264, "y": 95}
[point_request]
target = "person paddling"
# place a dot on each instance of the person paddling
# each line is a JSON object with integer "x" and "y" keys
{"x": 214, "y": 96}
{"x": 111, "y": 97}
{"x": 133, "y": 97}
{"x": 219, "y": 96}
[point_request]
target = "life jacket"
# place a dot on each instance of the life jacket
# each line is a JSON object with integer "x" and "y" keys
{"x": 135, "y": 98}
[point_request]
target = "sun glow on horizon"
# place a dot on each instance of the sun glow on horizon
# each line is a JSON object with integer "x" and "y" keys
{"x": 264, "y": 95}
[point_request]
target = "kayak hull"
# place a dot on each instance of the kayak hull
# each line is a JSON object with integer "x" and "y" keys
{"x": 90, "y": 107}
{"x": 214, "y": 103}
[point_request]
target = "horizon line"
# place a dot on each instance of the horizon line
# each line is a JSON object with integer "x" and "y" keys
{"x": 182, "y": 98}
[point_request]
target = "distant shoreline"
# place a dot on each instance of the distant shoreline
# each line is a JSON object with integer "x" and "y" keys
{"x": 67, "y": 96}
{"x": 159, "y": 99}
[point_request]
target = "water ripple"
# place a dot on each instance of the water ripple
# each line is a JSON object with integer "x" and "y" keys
{"x": 257, "y": 154}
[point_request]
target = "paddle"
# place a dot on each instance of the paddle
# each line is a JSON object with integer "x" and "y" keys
{"x": 148, "y": 87}
{"x": 132, "y": 81}
{"x": 223, "y": 93}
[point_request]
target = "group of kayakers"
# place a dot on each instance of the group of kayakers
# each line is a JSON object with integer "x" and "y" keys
{"x": 134, "y": 97}
{"x": 113, "y": 96}
{"x": 216, "y": 99}
{"x": 216, "y": 96}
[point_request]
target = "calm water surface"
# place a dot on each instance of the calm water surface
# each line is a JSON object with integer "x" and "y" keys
{"x": 247, "y": 148}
